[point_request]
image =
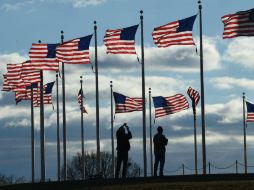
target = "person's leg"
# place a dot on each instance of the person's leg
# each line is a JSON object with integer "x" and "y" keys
{"x": 125, "y": 162}
{"x": 118, "y": 165}
{"x": 156, "y": 164}
{"x": 162, "y": 162}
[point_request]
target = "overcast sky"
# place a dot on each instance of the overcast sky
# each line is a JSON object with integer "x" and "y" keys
{"x": 228, "y": 72}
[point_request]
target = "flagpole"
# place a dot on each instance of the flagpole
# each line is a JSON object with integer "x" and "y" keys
{"x": 195, "y": 135}
{"x": 151, "y": 141}
{"x": 143, "y": 93}
{"x": 98, "y": 161}
{"x": 82, "y": 130}
{"x": 42, "y": 132}
{"x": 244, "y": 136}
{"x": 112, "y": 131}
{"x": 58, "y": 130}
{"x": 32, "y": 132}
{"x": 64, "y": 117}
{"x": 202, "y": 90}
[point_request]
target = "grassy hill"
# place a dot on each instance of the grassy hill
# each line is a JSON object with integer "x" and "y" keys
{"x": 190, "y": 182}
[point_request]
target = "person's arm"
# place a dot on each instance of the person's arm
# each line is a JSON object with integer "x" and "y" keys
{"x": 129, "y": 133}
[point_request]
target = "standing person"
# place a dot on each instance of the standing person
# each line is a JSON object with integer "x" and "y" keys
{"x": 123, "y": 135}
{"x": 160, "y": 142}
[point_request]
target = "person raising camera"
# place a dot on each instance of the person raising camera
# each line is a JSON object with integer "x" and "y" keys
{"x": 123, "y": 135}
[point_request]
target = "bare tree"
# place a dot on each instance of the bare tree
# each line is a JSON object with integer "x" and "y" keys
{"x": 74, "y": 167}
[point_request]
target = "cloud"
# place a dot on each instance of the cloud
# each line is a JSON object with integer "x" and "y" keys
{"x": 240, "y": 51}
{"x": 229, "y": 112}
{"x": 225, "y": 83}
{"x": 85, "y": 3}
{"x": 181, "y": 59}
{"x": 77, "y": 3}
{"x": 16, "y": 6}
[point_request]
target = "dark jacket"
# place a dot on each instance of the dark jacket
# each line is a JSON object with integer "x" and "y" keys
{"x": 160, "y": 141}
{"x": 123, "y": 144}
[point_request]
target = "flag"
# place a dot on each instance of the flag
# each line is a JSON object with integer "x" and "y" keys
{"x": 35, "y": 88}
{"x": 28, "y": 75}
{"x": 238, "y": 24}
{"x": 13, "y": 77}
{"x": 43, "y": 57}
{"x": 6, "y": 86}
{"x": 174, "y": 33}
{"x": 250, "y": 112}
{"x": 169, "y": 105}
{"x": 80, "y": 95}
{"x": 121, "y": 41}
{"x": 125, "y": 104}
{"x": 194, "y": 96}
{"x": 75, "y": 51}
{"x": 47, "y": 94}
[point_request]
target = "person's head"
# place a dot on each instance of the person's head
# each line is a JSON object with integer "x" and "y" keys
{"x": 160, "y": 129}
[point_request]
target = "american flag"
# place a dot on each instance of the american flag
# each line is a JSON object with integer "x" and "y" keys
{"x": 238, "y": 24}
{"x": 28, "y": 75}
{"x": 174, "y": 33}
{"x": 75, "y": 51}
{"x": 43, "y": 57}
{"x": 121, "y": 41}
{"x": 80, "y": 101}
{"x": 169, "y": 105}
{"x": 47, "y": 94}
{"x": 35, "y": 88}
{"x": 6, "y": 86}
{"x": 250, "y": 112}
{"x": 125, "y": 104}
{"x": 194, "y": 96}
{"x": 13, "y": 77}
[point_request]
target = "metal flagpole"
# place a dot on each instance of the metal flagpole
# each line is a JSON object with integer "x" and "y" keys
{"x": 143, "y": 93}
{"x": 151, "y": 141}
{"x": 244, "y": 136}
{"x": 42, "y": 133}
{"x": 64, "y": 116}
{"x": 202, "y": 90}
{"x": 32, "y": 132}
{"x": 58, "y": 130}
{"x": 112, "y": 131}
{"x": 195, "y": 135}
{"x": 82, "y": 131}
{"x": 98, "y": 161}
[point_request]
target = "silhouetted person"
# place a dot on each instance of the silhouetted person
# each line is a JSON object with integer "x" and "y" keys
{"x": 123, "y": 135}
{"x": 160, "y": 142}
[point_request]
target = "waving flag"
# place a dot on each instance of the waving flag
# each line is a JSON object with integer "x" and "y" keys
{"x": 194, "y": 96}
{"x": 47, "y": 94}
{"x": 6, "y": 86}
{"x": 28, "y": 75}
{"x": 43, "y": 57}
{"x": 121, "y": 41}
{"x": 13, "y": 77}
{"x": 125, "y": 104}
{"x": 75, "y": 51}
{"x": 250, "y": 112}
{"x": 174, "y": 33}
{"x": 169, "y": 105}
{"x": 80, "y": 95}
{"x": 238, "y": 24}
